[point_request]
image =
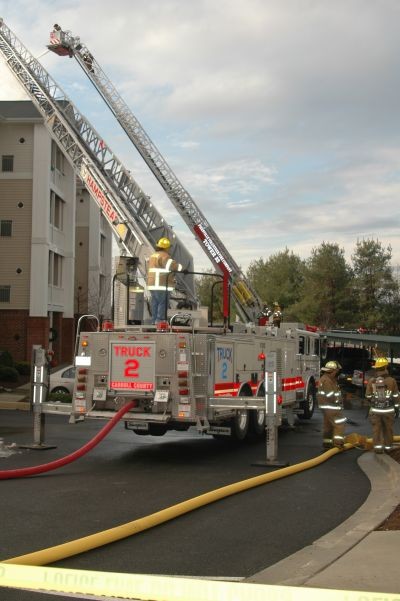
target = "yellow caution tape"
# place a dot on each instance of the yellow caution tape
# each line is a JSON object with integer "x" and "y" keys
{"x": 145, "y": 587}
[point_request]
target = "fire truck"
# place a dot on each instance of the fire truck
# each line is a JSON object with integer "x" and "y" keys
{"x": 195, "y": 375}
{"x": 187, "y": 373}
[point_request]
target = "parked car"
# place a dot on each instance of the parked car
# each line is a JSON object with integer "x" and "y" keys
{"x": 360, "y": 378}
{"x": 62, "y": 380}
{"x": 351, "y": 359}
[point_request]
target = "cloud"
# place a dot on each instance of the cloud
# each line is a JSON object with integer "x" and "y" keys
{"x": 278, "y": 117}
{"x": 244, "y": 204}
{"x": 187, "y": 144}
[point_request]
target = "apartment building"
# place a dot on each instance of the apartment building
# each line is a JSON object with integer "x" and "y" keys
{"x": 55, "y": 247}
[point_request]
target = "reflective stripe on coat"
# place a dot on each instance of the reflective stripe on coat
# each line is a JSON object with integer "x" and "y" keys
{"x": 160, "y": 265}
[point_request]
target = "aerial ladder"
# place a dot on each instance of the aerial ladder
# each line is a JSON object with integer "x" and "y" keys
{"x": 134, "y": 219}
{"x": 248, "y": 303}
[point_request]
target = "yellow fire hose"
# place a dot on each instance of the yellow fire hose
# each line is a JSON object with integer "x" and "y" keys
{"x": 81, "y": 545}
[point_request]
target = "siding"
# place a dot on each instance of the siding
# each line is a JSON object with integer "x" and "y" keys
{"x": 81, "y": 269}
{"x": 10, "y": 144}
{"x": 15, "y": 252}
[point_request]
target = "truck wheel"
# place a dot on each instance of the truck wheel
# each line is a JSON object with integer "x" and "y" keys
{"x": 157, "y": 429}
{"x": 308, "y": 405}
{"x": 240, "y": 424}
{"x": 257, "y": 422}
{"x": 257, "y": 417}
{"x": 141, "y": 432}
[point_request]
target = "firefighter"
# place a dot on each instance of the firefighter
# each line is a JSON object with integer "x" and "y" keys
{"x": 158, "y": 282}
{"x": 276, "y": 315}
{"x": 330, "y": 400}
{"x": 383, "y": 394}
{"x": 264, "y": 316}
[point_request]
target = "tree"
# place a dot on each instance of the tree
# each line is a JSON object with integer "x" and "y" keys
{"x": 99, "y": 296}
{"x": 376, "y": 290}
{"x": 326, "y": 298}
{"x": 209, "y": 290}
{"x": 278, "y": 279}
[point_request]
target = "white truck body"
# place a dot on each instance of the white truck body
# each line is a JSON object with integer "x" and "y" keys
{"x": 187, "y": 376}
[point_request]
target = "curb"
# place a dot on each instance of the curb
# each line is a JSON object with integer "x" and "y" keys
{"x": 15, "y": 400}
{"x": 384, "y": 475}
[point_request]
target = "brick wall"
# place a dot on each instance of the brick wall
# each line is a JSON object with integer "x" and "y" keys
{"x": 37, "y": 333}
{"x": 19, "y": 333}
{"x": 13, "y": 331}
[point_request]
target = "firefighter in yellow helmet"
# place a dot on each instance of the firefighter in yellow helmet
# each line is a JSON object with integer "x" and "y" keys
{"x": 277, "y": 315}
{"x": 158, "y": 282}
{"x": 383, "y": 395}
{"x": 330, "y": 401}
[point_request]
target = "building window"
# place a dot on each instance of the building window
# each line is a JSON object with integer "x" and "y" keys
{"x": 102, "y": 245}
{"x": 5, "y": 294}
{"x": 7, "y": 162}
{"x": 56, "y": 210}
{"x": 55, "y": 269}
{"x": 5, "y": 227}
{"x": 57, "y": 158}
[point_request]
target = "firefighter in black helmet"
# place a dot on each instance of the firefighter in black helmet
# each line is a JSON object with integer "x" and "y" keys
{"x": 330, "y": 400}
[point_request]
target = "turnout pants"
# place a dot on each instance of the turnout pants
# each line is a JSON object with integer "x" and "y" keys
{"x": 333, "y": 428}
{"x": 382, "y": 430}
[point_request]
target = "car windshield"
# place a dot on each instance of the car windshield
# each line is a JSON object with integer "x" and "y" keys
{"x": 69, "y": 373}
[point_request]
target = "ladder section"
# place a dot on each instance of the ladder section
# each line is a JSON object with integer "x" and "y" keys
{"x": 248, "y": 303}
{"x": 135, "y": 221}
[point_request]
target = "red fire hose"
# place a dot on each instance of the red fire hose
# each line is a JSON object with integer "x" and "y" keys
{"x": 40, "y": 469}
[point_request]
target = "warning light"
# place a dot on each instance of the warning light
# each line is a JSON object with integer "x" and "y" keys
{"x": 261, "y": 356}
{"x": 279, "y": 399}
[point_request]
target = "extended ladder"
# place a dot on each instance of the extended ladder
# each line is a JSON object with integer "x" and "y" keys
{"x": 248, "y": 303}
{"x": 133, "y": 218}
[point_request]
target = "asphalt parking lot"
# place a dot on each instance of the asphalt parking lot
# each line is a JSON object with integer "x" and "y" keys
{"x": 127, "y": 477}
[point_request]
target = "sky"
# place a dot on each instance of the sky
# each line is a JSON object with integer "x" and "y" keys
{"x": 281, "y": 118}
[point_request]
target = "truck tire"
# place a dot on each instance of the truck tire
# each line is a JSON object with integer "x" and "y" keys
{"x": 308, "y": 405}
{"x": 240, "y": 424}
{"x": 257, "y": 422}
{"x": 157, "y": 429}
{"x": 257, "y": 417}
{"x": 141, "y": 432}
{"x": 154, "y": 430}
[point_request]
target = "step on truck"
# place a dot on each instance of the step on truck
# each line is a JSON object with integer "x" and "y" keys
{"x": 195, "y": 375}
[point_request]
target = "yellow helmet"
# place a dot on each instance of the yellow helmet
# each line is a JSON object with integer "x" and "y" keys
{"x": 380, "y": 363}
{"x": 331, "y": 366}
{"x": 164, "y": 243}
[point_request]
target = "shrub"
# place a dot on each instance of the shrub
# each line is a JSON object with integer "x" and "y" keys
{"x": 23, "y": 368}
{"x": 60, "y": 397}
{"x": 6, "y": 359}
{"x": 8, "y": 374}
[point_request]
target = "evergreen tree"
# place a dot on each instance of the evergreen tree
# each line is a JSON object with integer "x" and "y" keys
{"x": 278, "y": 279}
{"x": 375, "y": 287}
{"x": 326, "y": 299}
{"x": 209, "y": 291}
